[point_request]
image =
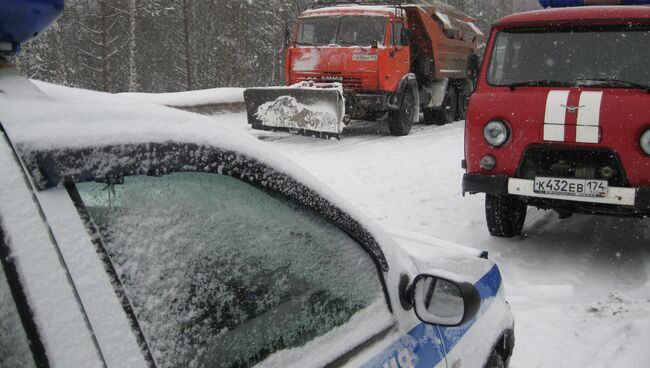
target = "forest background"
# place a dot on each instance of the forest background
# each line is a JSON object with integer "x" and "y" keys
{"x": 177, "y": 45}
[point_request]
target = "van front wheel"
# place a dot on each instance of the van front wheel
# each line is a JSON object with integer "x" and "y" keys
{"x": 505, "y": 215}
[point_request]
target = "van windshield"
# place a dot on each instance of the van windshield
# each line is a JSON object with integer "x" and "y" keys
{"x": 341, "y": 31}
{"x": 598, "y": 57}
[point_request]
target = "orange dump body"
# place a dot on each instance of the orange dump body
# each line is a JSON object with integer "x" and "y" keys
{"x": 448, "y": 39}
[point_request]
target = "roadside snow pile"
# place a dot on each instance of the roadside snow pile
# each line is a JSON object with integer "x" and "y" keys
{"x": 214, "y": 96}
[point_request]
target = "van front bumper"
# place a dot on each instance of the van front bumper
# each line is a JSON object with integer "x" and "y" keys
{"x": 619, "y": 200}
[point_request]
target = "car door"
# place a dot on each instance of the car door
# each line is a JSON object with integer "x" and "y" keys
{"x": 219, "y": 272}
{"x": 247, "y": 269}
{"x": 40, "y": 289}
{"x": 222, "y": 274}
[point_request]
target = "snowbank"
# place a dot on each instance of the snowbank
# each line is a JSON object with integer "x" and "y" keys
{"x": 214, "y": 96}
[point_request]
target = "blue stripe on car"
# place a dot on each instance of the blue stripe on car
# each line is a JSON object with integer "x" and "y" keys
{"x": 422, "y": 346}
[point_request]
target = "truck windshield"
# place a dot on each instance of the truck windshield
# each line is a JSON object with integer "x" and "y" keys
{"x": 598, "y": 57}
{"x": 342, "y": 31}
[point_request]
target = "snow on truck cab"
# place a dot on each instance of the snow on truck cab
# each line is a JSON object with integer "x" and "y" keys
{"x": 560, "y": 118}
{"x": 372, "y": 59}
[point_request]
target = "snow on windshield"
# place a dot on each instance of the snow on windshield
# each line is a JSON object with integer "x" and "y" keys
{"x": 221, "y": 274}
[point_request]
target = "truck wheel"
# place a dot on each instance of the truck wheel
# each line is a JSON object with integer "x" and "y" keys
{"x": 400, "y": 121}
{"x": 446, "y": 113}
{"x": 505, "y": 215}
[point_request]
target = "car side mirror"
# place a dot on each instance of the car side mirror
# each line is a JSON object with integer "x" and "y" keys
{"x": 405, "y": 37}
{"x": 438, "y": 301}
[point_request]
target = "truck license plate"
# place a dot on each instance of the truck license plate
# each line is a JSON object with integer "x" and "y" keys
{"x": 574, "y": 187}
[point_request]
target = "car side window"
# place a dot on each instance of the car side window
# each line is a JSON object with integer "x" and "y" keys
{"x": 14, "y": 345}
{"x": 222, "y": 274}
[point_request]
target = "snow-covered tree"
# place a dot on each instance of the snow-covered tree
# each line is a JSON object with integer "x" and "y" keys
{"x": 174, "y": 45}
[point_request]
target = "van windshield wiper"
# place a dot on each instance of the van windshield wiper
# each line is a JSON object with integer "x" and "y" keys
{"x": 539, "y": 83}
{"x": 612, "y": 82}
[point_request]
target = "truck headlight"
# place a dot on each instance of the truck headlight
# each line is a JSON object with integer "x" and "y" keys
{"x": 496, "y": 133}
{"x": 645, "y": 141}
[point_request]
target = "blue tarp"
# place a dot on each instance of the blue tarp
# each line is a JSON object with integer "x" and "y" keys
{"x": 21, "y": 20}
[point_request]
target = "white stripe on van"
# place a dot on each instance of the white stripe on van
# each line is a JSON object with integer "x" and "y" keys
{"x": 555, "y": 117}
{"x": 588, "y": 130}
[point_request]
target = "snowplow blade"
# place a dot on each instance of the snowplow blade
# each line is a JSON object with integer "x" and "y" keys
{"x": 307, "y": 109}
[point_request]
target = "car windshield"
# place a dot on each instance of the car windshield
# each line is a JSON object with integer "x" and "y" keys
{"x": 609, "y": 57}
{"x": 342, "y": 31}
{"x": 222, "y": 274}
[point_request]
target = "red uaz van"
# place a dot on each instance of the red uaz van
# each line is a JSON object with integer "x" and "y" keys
{"x": 560, "y": 118}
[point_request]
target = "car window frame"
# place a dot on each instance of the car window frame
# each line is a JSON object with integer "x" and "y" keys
{"x": 109, "y": 266}
{"x": 61, "y": 168}
{"x": 36, "y": 346}
{"x": 32, "y": 330}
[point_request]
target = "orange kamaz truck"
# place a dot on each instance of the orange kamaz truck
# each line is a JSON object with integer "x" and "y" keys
{"x": 366, "y": 60}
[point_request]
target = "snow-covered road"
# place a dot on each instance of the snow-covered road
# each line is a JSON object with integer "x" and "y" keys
{"x": 579, "y": 288}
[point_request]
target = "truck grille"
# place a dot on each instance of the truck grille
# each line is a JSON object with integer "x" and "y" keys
{"x": 349, "y": 82}
{"x": 572, "y": 162}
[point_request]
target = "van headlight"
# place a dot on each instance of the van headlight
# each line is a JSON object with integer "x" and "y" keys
{"x": 645, "y": 141}
{"x": 496, "y": 133}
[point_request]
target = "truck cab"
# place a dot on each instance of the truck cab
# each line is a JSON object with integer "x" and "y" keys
{"x": 399, "y": 60}
{"x": 560, "y": 117}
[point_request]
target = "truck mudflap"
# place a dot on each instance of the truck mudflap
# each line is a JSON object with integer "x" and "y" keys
{"x": 306, "y": 108}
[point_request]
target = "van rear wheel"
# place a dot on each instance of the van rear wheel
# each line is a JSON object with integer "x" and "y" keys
{"x": 401, "y": 120}
{"x": 505, "y": 215}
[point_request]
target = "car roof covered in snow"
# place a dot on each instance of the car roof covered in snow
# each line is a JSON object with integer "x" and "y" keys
{"x": 48, "y": 124}
{"x": 579, "y": 15}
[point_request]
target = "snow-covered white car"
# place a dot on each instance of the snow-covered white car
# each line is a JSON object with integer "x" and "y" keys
{"x": 135, "y": 235}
